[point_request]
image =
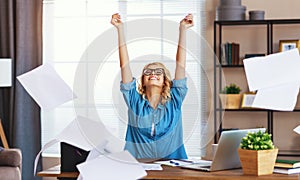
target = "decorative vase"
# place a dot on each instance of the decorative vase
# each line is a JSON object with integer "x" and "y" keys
{"x": 230, "y": 10}
{"x": 259, "y": 162}
{"x": 230, "y": 101}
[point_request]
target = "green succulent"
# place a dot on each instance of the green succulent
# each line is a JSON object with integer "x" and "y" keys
{"x": 231, "y": 89}
{"x": 257, "y": 141}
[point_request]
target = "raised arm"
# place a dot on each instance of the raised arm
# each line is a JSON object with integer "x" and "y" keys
{"x": 123, "y": 53}
{"x": 185, "y": 23}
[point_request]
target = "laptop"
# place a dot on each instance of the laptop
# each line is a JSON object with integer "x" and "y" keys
{"x": 226, "y": 156}
{"x": 71, "y": 156}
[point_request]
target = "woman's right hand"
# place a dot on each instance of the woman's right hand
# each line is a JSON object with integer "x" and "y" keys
{"x": 116, "y": 20}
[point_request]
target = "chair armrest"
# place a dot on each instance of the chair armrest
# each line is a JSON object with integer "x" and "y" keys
{"x": 11, "y": 157}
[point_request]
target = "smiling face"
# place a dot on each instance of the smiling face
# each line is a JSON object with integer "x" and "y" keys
{"x": 156, "y": 75}
{"x": 153, "y": 75}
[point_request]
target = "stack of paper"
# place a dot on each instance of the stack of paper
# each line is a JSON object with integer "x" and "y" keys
{"x": 105, "y": 167}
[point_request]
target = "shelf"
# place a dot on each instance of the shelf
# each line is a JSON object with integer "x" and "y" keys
{"x": 288, "y": 152}
{"x": 249, "y": 109}
{"x": 295, "y": 110}
{"x": 246, "y": 22}
{"x": 258, "y": 22}
{"x": 232, "y": 66}
{"x": 285, "y": 21}
{"x": 256, "y": 109}
{"x": 269, "y": 25}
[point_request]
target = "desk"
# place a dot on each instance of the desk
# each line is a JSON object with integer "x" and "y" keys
{"x": 55, "y": 172}
{"x": 179, "y": 173}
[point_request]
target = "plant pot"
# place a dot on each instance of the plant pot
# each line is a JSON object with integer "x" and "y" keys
{"x": 231, "y": 101}
{"x": 258, "y": 162}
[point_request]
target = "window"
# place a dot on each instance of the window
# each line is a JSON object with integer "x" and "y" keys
{"x": 78, "y": 42}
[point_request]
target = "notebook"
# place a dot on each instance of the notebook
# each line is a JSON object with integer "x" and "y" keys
{"x": 226, "y": 156}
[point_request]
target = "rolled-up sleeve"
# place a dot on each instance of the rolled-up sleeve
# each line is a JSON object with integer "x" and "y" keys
{"x": 179, "y": 90}
{"x": 129, "y": 91}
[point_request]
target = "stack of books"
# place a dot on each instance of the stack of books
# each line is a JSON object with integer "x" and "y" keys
{"x": 230, "y": 53}
{"x": 287, "y": 166}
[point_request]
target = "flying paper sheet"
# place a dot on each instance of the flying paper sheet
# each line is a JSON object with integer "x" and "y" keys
{"x": 272, "y": 70}
{"x": 276, "y": 79}
{"x": 121, "y": 165}
{"x": 46, "y": 87}
{"x": 282, "y": 97}
{"x": 94, "y": 153}
{"x": 297, "y": 129}
{"x": 87, "y": 135}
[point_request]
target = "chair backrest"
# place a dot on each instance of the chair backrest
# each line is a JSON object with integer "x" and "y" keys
{"x": 2, "y": 136}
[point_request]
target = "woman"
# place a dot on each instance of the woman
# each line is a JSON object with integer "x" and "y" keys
{"x": 154, "y": 112}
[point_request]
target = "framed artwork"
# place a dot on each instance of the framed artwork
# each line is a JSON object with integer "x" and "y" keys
{"x": 285, "y": 45}
{"x": 247, "y": 100}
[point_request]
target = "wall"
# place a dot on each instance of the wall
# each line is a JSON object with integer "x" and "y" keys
{"x": 274, "y": 9}
{"x": 253, "y": 40}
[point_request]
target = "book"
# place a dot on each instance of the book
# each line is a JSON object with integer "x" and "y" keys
{"x": 283, "y": 163}
{"x": 233, "y": 53}
{"x": 286, "y": 170}
{"x": 229, "y": 53}
{"x": 226, "y": 45}
{"x": 223, "y": 55}
{"x": 237, "y": 53}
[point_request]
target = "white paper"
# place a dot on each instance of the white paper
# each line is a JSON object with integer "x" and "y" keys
{"x": 276, "y": 79}
{"x": 272, "y": 70}
{"x": 282, "y": 97}
{"x": 297, "y": 129}
{"x": 151, "y": 166}
{"x": 5, "y": 72}
{"x": 87, "y": 135}
{"x": 46, "y": 87}
{"x": 94, "y": 153}
{"x": 46, "y": 146}
{"x": 174, "y": 162}
{"x": 121, "y": 165}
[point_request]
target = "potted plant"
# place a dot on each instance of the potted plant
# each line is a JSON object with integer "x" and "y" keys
{"x": 231, "y": 97}
{"x": 257, "y": 153}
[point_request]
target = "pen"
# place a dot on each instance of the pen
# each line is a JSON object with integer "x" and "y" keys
{"x": 175, "y": 163}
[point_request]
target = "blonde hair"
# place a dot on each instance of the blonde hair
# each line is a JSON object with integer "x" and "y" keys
{"x": 167, "y": 82}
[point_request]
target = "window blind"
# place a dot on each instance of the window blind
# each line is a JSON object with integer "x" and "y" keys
{"x": 68, "y": 34}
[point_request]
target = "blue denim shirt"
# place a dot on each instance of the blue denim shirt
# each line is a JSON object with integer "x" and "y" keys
{"x": 166, "y": 141}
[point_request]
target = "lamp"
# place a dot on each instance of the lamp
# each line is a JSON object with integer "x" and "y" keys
{"x": 5, "y": 81}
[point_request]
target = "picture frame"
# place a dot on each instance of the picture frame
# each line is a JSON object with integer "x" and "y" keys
{"x": 285, "y": 45}
{"x": 247, "y": 99}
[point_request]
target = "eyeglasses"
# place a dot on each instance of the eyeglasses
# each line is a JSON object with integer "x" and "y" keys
{"x": 157, "y": 71}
